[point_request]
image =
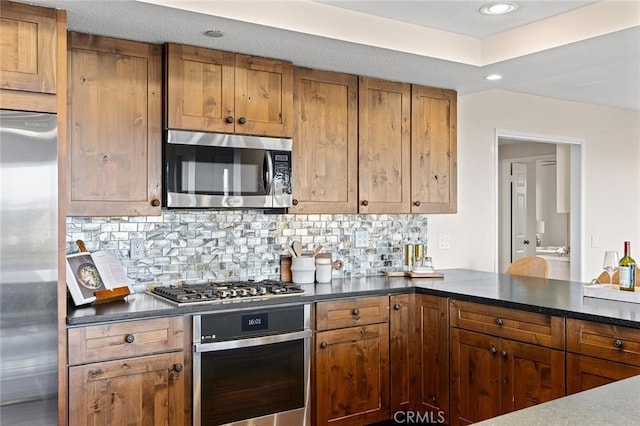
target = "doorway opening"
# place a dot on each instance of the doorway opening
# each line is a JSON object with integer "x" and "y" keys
{"x": 539, "y": 212}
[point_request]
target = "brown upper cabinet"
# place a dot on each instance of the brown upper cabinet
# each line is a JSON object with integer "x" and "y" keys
{"x": 115, "y": 130}
{"x": 32, "y": 63}
{"x": 29, "y": 40}
{"x": 384, "y": 146}
{"x": 215, "y": 91}
{"x": 372, "y": 146}
{"x": 433, "y": 150}
{"x": 325, "y": 150}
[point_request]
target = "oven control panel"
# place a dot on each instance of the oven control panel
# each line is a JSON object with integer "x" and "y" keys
{"x": 244, "y": 324}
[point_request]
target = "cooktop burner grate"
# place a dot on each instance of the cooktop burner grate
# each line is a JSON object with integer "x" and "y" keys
{"x": 215, "y": 291}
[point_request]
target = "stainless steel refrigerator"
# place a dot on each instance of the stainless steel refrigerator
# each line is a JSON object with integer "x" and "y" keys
{"x": 28, "y": 268}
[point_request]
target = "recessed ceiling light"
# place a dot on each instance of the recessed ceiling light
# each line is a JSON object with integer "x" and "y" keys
{"x": 493, "y": 77}
{"x": 214, "y": 33}
{"x": 498, "y": 8}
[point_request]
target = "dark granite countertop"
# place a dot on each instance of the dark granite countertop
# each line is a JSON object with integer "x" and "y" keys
{"x": 557, "y": 297}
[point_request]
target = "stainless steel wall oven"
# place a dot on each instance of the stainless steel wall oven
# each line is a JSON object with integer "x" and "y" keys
{"x": 252, "y": 366}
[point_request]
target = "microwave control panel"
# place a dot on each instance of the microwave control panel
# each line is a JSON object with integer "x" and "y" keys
{"x": 282, "y": 171}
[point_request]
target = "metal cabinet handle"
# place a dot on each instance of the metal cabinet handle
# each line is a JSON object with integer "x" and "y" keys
{"x": 397, "y": 306}
{"x": 365, "y": 203}
{"x": 294, "y": 201}
{"x": 242, "y": 120}
{"x": 177, "y": 368}
{"x": 229, "y": 119}
{"x": 356, "y": 311}
{"x": 493, "y": 350}
{"x": 416, "y": 203}
{"x": 499, "y": 321}
{"x": 129, "y": 338}
{"x": 155, "y": 202}
{"x": 618, "y": 343}
{"x": 503, "y": 354}
{"x": 324, "y": 345}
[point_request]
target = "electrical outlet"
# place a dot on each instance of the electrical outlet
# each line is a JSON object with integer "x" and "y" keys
{"x": 362, "y": 238}
{"x": 137, "y": 248}
{"x": 444, "y": 242}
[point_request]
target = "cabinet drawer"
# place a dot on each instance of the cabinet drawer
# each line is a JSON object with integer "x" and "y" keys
{"x": 611, "y": 342}
{"x": 124, "y": 339}
{"x": 351, "y": 312}
{"x": 528, "y": 327}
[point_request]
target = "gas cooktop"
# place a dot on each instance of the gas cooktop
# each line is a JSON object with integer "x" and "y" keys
{"x": 211, "y": 292}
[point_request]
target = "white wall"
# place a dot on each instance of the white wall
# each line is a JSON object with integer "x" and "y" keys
{"x": 611, "y": 153}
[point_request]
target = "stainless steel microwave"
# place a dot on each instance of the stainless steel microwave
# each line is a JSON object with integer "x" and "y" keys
{"x": 214, "y": 170}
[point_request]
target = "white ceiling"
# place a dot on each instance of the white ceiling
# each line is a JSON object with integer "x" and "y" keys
{"x": 584, "y": 51}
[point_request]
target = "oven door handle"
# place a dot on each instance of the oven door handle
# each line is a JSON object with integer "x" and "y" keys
{"x": 256, "y": 341}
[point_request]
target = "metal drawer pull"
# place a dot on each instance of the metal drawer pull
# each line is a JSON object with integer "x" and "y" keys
{"x": 499, "y": 321}
{"x": 618, "y": 343}
{"x": 177, "y": 368}
{"x": 493, "y": 350}
{"x": 503, "y": 354}
{"x": 324, "y": 345}
{"x": 356, "y": 311}
{"x": 130, "y": 338}
{"x": 397, "y": 307}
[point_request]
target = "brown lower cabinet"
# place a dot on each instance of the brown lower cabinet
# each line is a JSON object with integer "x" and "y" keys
{"x": 130, "y": 372}
{"x": 491, "y": 376}
{"x": 431, "y": 346}
{"x": 352, "y": 361}
{"x": 502, "y": 359}
{"x": 585, "y": 372}
{"x": 598, "y": 354}
{"x": 142, "y": 390}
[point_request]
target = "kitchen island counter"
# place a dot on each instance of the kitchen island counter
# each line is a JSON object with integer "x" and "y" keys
{"x": 614, "y": 403}
{"x": 556, "y": 297}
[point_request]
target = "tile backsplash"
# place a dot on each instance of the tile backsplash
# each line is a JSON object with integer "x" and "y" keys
{"x": 238, "y": 245}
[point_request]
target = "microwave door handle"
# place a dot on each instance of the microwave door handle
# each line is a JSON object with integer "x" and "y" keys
{"x": 268, "y": 181}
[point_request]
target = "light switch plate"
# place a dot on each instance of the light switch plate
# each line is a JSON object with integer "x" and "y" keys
{"x": 444, "y": 242}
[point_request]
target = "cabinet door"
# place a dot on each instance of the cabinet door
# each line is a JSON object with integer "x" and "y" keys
{"x": 115, "y": 140}
{"x": 325, "y": 150}
{"x": 384, "y": 146}
{"x": 432, "y": 353}
{"x": 29, "y": 44}
{"x": 352, "y": 375}
{"x": 433, "y": 150}
{"x": 147, "y": 390}
{"x": 584, "y": 372}
{"x": 475, "y": 377}
{"x": 199, "y": 87}
{"x": 402, "y": 352}
{"x": 530, "y": 375}
{"x": 264, "y": 96}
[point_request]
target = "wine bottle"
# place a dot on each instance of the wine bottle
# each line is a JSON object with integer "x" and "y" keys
{"x": 627, "y": 269}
